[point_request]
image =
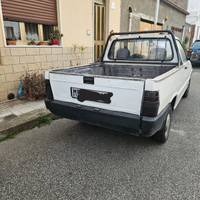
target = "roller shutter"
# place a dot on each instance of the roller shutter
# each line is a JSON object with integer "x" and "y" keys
{"x": 32, "y": 11}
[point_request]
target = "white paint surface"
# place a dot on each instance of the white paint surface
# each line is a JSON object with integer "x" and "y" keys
{"x": 127, "y": 94}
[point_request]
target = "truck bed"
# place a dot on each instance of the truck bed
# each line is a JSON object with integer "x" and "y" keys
{"x": 118, "y": 70}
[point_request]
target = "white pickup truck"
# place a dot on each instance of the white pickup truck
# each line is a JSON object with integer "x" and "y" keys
{"x": 136, "y": 84}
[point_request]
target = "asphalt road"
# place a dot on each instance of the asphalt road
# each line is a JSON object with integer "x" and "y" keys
{"x": 74, "y": 161}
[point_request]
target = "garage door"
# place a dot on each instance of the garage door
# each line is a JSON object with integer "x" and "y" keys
{"x": 145, "y": 26}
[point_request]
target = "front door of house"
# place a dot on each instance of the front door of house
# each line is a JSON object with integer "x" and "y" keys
{"x": 99, "y": 28}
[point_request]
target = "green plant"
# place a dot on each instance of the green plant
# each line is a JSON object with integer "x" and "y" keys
{"x": 44, "y": 120}
{"x": 56, "y": 35}
{"x": 11, "y": 39}
{"x": 57, "y": 31}
{"x": 33, "y": 83}
{"x": 32, "y": 42}
{"x": 186, "y": 39}
{"x": 31, "y": 127}
{"x": 82, "y": 48}
{"x": 184, "y": 43}
{"x": 8, "y": 137}
{"x": 75, "y": 46}
{"x": 41, "y": 121}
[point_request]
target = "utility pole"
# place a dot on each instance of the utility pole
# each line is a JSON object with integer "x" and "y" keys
{"x": 156, "y": 14}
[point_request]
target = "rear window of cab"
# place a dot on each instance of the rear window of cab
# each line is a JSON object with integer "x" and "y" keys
{"x": 141, "y": 49}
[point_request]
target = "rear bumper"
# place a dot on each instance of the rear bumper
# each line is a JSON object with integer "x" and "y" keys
{"x": 150, "y": 125}
{"x": 119, "y": 121}
{"x": 124, "y": 122}
{"x": 195, "y": 58}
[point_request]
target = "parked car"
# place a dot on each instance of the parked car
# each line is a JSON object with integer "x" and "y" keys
{"x": 194, "y": 52}
{"x": 137, "y": 83}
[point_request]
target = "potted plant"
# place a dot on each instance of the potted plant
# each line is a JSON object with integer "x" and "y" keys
{"x": 32, "y": 42}
{"x": 41, "y": 43}
{"x": 11, "y": 41}
{"x": 55, "y": 37}
{"x": 33, "y": 85}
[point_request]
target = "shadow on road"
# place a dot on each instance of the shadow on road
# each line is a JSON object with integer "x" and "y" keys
{"x": 87, "y": 136}
{"x": 196, "y": 67}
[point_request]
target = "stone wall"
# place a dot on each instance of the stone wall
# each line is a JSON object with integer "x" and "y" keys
{"x": 16, "y": 61}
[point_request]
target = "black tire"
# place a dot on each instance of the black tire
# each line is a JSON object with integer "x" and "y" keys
{"x": 187, "y": 91}
{"x": 163, "y": 134}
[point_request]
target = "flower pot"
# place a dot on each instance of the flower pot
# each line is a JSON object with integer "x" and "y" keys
{"x": 42, "y": 43}
{"x": 54, "y": 42}
{"x": 30, "y": 96}
{"x": 11, "y": 42}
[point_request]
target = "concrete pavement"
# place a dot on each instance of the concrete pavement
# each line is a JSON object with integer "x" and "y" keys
{"x": 18, "y": 115}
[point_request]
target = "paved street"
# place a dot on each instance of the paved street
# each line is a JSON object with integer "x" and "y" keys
{"x": 74, "y": 161}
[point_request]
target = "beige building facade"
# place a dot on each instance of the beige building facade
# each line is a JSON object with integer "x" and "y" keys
{"x": 85, "y": 23}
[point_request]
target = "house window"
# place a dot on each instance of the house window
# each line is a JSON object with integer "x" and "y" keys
{"x": 28, "y": 31}
{"x": 31, "y": 31}
{"x": 22, "y": 22}
{"x": 46, "y": 30}
{"x": 12, "y": 30}
{"x": 174, "y": 29}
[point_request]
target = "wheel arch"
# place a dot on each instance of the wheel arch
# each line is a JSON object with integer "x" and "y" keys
{"x": 173, "y": 102}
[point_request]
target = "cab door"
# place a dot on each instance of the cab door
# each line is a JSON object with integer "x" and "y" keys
{"x": 186, "y": 69}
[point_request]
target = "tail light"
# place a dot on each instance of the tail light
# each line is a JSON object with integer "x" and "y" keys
{"x": 48, "y": 89}
{"x": 150, "y": 104}
{"x": 190, "y": 51}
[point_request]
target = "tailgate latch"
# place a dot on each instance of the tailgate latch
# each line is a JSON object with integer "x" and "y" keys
{"x": 88, "y": 80}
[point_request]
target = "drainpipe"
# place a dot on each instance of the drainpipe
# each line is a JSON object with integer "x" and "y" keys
{"x": 130, "y": 19}
{"x": 183, "y": 33}
{"x": 156, "y": 15}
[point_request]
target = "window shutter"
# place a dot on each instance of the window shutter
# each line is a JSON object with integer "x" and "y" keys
{"x": 32, "y": 11}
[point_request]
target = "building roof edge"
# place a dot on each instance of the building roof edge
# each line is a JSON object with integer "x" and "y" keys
{"x": 176, "y": 6}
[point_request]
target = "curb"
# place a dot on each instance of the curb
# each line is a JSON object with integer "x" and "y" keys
{"x": 22, "y": 122}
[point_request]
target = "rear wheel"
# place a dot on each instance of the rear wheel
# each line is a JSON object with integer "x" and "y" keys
{"x": 187, "y": 91}
{"x": 163, "y": 134}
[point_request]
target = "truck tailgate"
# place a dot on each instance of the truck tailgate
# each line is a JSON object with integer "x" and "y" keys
{"x": 123, "y": 95}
